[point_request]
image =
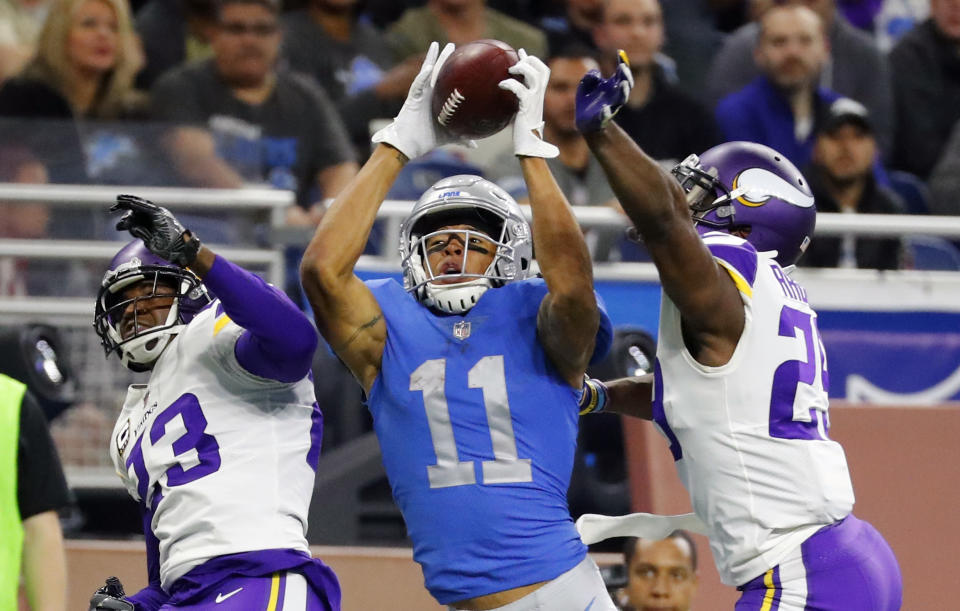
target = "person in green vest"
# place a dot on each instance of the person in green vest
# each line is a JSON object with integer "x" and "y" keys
{"x": 32, "y": 488}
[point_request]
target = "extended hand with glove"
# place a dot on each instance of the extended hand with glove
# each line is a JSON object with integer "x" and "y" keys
{"x": 110, "y": 596}
{"x": 599, "y": 99}
{"x": 528, "y": 124}
{"x": 161, "y": 232}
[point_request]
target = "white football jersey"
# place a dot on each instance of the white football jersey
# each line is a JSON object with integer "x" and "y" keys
{"x": 750, "y": 438}
{"x": 224, "y": 460}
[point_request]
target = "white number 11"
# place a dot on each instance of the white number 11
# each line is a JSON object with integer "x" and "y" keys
{"x": 487, "y": 375}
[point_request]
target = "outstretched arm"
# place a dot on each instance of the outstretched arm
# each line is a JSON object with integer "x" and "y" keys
{"x": 706, "y": 296}
{"x": 346, "y": 312}
{"x": 568, "y": 317}
{"x": 278, "y": 342}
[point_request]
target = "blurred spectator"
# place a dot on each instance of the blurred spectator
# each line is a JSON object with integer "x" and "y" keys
{"x": 237, "y": 119}
{"x": 174, "y": 32}
{"x": 86, "y": 59}
{"x": 842, "y": 180}
{"x": 20, "y": 220}
{"x": 896, "y": 19}
{"x": 860, "y": 13}
{"x": 692, "y": 41}
{"x": 853, "y": 67}
{"x": 780, "y": 108}
{"x": 926, "y": 86}
{"x": 459, "y": 22}
{"x": 945, "y": 177}
{"x": 574, "y": 26}
{"x": 351, "y": 61}
{"x": 33, "y": 488}
{"x": 666, "y": 123}
{"x": 20, "y": 23}
{"x": 660, "y": 574}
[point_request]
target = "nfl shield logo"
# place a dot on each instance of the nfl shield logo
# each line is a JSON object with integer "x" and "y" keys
{"x": 461, "y": 330}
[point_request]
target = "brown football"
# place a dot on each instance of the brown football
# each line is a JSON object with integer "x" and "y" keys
{"x": 466, "y": 99}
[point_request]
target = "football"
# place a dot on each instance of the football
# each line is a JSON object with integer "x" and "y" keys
{"x": 466, "y": 99}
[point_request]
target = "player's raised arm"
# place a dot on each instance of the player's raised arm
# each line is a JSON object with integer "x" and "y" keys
{"x": 568, "y": 319}
{"x": 278, "y": 341}
{"x": 346, "y": 312}
{"x": 703, "y": 292}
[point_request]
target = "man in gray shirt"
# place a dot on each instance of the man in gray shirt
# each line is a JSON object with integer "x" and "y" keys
{"x": 236, "y": 119}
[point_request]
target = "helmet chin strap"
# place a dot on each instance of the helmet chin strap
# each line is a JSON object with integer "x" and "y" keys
{"x": 454, "y": 298}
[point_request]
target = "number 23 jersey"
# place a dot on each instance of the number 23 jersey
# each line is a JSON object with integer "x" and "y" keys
{"x": 223, "y": 460}
{"x": 751, "y": 438}
{"x": 478, "y": 433}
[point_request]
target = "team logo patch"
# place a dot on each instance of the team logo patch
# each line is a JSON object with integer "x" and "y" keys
{"x": 123, "y": 436}
{"x": 461, "y": 330}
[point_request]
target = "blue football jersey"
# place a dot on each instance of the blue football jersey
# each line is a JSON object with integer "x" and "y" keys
{"x": 478, "y": 433}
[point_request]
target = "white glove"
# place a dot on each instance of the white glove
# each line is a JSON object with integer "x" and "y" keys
{"x": 593, "y": 527}
{"x": 528, "y": 124}
{"x": 414, "y": 131}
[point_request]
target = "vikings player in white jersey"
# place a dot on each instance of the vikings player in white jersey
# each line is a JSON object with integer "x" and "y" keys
{"x": 220, "y": 445}
{"x": 740, "y": 381}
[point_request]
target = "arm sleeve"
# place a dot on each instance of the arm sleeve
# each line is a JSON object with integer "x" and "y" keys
{"x": 41, "y": 484}
{"x": 279, "y": 340}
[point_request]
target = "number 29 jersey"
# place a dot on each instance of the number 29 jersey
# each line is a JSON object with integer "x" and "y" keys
{"x": 222, "y": 461}
{"x": 478, "y": 433}
{"x": 750, "y": 438}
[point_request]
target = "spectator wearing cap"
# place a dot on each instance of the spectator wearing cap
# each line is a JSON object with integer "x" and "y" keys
{"x": 842, "y": 179}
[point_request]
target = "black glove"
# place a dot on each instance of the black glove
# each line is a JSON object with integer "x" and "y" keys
{"x": 161, "y": 232}
{"x": 110, "y": 596}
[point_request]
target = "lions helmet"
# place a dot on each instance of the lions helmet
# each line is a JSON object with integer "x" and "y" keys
{"x": 471, "y": 200}
{"x": 744, "y": 185}
{"x": 134, "y": 264}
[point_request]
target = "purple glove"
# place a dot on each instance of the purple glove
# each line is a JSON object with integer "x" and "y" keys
{"x": 599, "y": 99}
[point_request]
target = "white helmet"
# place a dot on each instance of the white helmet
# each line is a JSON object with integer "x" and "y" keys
{"x": 464, "y": 199}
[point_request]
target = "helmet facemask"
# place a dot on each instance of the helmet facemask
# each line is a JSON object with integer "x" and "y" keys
{"x": 490, "y": 219}
{"x": 144, "y": 346}
{"x": 705, "y": 193}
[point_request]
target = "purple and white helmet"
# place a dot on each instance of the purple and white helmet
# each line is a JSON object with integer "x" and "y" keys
{"x": 134, "y": 264}
{"x": 745, "y": 185}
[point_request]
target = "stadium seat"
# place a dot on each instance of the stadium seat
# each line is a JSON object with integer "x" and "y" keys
{"x": 914, "y": 191}
{"x": 930, "y": 253}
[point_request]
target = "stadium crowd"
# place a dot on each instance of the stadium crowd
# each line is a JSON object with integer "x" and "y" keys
{"x": 230, "y": 93}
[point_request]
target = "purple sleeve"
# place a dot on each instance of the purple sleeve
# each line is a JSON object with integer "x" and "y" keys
{"x": 279, "y": 340}
{"x": 151, "y": 597}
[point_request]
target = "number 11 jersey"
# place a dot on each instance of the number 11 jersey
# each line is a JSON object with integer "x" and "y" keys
{"x": 478, "y": 432}
{"x": 751, "y": 438}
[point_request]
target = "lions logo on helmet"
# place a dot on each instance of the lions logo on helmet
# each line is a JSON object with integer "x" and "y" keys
{"x": 134, "y": 264}
{"x": 464, "y": 199}
{"x": 745, "y": 185}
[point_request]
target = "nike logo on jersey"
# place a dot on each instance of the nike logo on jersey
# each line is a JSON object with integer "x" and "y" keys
{"x": 592, "y": 600}
{"x": 222, "y": 597}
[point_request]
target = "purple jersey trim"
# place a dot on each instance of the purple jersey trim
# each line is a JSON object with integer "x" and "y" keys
{"x": 742, "y": 257}
{"x": 151, "y": 597}
{"x": 316, "y": 436}
{"x": 200, "y": 580}
{"x": 280, "y": 340}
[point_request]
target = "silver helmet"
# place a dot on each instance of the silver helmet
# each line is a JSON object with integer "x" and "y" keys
{"x": 470, "y": 200}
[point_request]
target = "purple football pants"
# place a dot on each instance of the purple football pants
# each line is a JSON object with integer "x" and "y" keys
{"x": 847, "y": 566}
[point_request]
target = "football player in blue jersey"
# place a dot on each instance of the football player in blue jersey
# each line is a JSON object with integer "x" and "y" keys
{"x": 220, "y": 444}
{"x": 739, "y": 385}
{"x": 472, "y": 369}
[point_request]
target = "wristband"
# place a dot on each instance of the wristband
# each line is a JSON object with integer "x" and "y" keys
{"x": 594, "y": 397}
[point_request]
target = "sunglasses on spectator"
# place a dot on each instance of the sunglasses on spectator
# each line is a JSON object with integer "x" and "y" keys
{"x": 261, "y": 30}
